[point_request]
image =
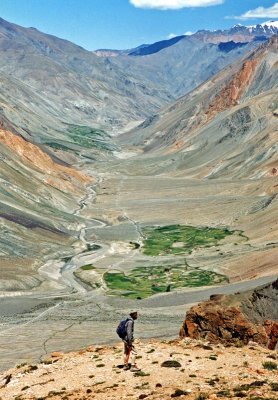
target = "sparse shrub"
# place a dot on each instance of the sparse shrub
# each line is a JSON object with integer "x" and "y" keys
{"x": 21, "y": 365}
{"x": 142, "y": 396}
{"x": 224, "y": 393}
{"x": 171, "y": 364}
{"x": 213, "y": 381}
{"x": 270, "y": 365}
{"x": 150, "y": 351}
{"x": 100, "y": 365}
{"x": 240, "y": 394}
{"x": 179, "y": 392}
{"x": 245, "y": 364}
{"x": 141, "y": 373}
{"x": 202, "y": 396}
{"x": 257, "y": 383}
{"x": 238, "y": 343}
{"x": 240, "y": 388}
{"x": 213, "y": 357}
{"x": 192, "y": 376}
{"x": 274, "y": 386}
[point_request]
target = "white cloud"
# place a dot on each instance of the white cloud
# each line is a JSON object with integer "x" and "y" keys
{"x": 171, "y": 36}
{"x": 261, "y": 12}
{"x": 174, "y": 4}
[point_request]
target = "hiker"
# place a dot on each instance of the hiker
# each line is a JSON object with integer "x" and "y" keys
{"x": 125, "y": 331}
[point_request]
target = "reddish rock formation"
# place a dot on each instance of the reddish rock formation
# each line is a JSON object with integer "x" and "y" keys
{"x": 230, "y": 94}
{"x": 271, "y": 328}
{"x": 61, "y": 177}
{"x": 217, "y": 322}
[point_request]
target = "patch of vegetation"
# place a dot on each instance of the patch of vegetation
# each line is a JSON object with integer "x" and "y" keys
{"x": 224, "y": 393}
{"x": 212, "y": 381}
{"x": 171, "y": 364}
{"x": 58, "y": 146}
{"x": 143, "y": 282}
{"x": 141, "y": 373}
{"x": 245, "y": 364}
{"x": 240, "y": 394}
{"x": 274, "y": 386}
{"x": 254, "y": 397}
{"x": 144, "y": 385}
{"x": 179, "y": 392}
{"x": 202, "y": 396}
{"x": 180, "y": 239}
{"x": 150, "y": 351}
{"x": 87, "y": 267}
{"x": 89, "y": 138}
{"x": 270, "y": 365}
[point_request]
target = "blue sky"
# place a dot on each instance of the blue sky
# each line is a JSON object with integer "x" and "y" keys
{"x": 124, "y": 24}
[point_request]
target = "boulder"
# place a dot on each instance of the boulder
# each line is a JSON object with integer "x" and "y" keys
{"x": 217, "y": 322}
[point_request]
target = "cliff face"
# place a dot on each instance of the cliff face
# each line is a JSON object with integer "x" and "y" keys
{"x": 252, "y": 316}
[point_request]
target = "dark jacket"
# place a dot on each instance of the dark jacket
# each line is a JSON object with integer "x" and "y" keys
{"x": 129, "y": 331}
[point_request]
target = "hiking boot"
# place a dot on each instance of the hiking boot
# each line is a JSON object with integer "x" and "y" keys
{"x": 134, "y": 368}
{"x": 126, "y": 367}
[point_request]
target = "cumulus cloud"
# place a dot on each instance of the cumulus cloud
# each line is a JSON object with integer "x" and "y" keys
{"x": 261, "y": 12}
{"x": 174, "y": 4}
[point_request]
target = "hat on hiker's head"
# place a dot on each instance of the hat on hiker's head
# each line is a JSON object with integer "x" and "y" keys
{"x": 133, "y": 312}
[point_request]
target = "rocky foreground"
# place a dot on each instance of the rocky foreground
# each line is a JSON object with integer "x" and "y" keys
{"x": 187, "y": 368}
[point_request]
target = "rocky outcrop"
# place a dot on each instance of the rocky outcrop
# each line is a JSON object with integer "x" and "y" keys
{"x": 222, "y": 319}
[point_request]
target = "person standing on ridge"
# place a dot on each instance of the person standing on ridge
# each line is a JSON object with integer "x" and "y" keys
{"x": 129, "y": 350}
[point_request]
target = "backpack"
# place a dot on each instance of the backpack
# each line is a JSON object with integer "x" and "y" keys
{"x": 121, "y": 329}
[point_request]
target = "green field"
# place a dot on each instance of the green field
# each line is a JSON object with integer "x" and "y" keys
{"x": 89, "y": 138}
{"x": 143, "y": 282}
{"x": 88, "y": 267}
{"x": 180, "y": 239}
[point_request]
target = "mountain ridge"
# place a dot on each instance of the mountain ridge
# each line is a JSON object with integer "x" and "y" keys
{"x": 252, "y": 32}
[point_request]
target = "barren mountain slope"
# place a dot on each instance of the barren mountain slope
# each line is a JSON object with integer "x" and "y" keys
{"x": 37, "y": 205}
{"x": 78, "y": 85}
{"x": 182, "y": 66}
{"x": 226, "y": 127}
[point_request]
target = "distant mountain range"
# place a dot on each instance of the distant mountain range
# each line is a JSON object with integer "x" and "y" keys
{"x": 238, "y": 33}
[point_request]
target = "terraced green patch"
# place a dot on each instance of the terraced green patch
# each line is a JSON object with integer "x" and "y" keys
{"x": 180, "y": 239}
{"x": 88, "y": 267}
{"x": 89, "y": 138}
{"x": 143, "y": 282}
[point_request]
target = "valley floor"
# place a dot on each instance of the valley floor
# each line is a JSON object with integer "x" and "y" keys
{"x": 66, "y": 311}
